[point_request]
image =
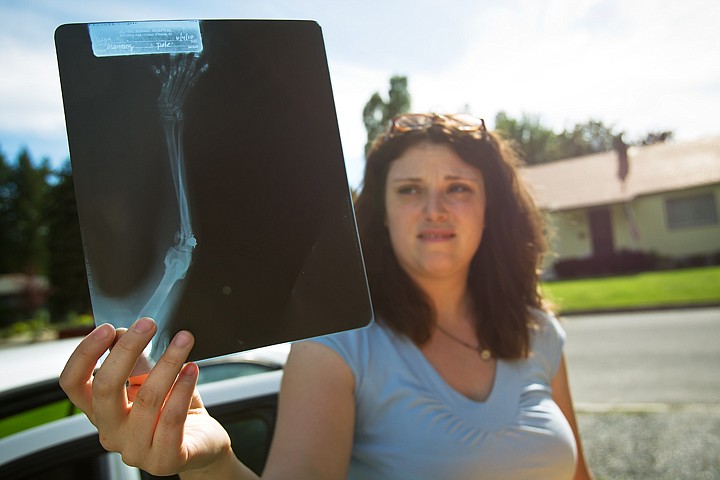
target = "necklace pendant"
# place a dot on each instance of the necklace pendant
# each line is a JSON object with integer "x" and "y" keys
{"x": 485, "y": 354}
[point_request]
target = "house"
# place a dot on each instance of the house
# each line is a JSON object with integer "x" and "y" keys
{"x": 667, "y": 204}
{"x": 21, "y": 293}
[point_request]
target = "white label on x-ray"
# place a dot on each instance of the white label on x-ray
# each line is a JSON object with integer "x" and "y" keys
{"x": 145, "y": 38}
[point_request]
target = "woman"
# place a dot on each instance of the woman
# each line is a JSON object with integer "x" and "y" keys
{"x": 462, "y": 376}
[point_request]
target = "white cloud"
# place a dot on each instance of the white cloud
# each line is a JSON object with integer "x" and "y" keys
{"x": 31, "y": 95}
{"x": 637, "y": 68}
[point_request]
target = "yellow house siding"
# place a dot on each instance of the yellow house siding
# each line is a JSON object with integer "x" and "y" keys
{"x": 651, "y": 223}
{"x": 571, "y": 237}
{"x": 570, "y": 234}
{"x": 570, "y": 229}
{"x": 622, "y": 230}
{"x": 658, "y": 237}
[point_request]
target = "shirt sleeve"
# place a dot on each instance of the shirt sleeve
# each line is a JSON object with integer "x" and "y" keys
{"x": 548, "y": 341}
{"x": 352, "y": 346}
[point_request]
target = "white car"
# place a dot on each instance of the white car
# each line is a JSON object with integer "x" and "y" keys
{"x": 239, "y": 390}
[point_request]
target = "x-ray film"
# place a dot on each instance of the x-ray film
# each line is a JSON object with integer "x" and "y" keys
{"x": 210, "y": 183}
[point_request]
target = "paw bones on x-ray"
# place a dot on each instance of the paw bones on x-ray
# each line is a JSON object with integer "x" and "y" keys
{"x": 178, "y": 77}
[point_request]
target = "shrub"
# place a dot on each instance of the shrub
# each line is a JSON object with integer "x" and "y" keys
{"x": 618, "y": 263}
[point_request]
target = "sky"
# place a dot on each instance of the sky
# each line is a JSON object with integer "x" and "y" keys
{"x": 636, "y": 65}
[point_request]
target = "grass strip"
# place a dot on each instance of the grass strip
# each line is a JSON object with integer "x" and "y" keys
{"x": 691, "y": 286}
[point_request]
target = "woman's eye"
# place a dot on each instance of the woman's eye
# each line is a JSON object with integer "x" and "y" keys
{"x": 408, "y": 190}
{"x": 459, "y": 188}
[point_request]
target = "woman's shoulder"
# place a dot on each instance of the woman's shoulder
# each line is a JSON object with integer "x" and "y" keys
{"x": 354, "y": 338}
{"x": 357, "y": 347}
{"x": 544, "y": 322}
{"x": 547, "y": 339}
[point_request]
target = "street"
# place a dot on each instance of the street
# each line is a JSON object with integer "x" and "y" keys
{"x": 667, "y": 357}
{"x": 647, "y": 393}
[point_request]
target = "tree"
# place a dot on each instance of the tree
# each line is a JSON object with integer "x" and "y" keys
{"x": 536, "y": 142}
{"x": 652, "y": 138}
{"x": 540, "y": 144}
{"x": 7, "y": 193}
{"x": 66, "y": 266}
{"x": 22, "y": 197}
{"x": 378, "y": 112}
{"x": 585, "y": 138}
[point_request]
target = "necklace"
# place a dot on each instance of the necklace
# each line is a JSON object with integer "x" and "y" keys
{"x": 485, "y": 353}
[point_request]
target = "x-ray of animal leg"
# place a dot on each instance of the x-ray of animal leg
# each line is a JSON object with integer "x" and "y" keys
{"x": 177, "y": 77}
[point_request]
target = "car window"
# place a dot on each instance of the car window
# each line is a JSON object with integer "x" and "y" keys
{"x": 251, "y": 436}
{"x": 250, "y": 423}
{"x": 36, "y": 416}
{"x": 31, "y": 405}
{"x": 77, "y": 460}
{"x": 250, "y": 426}
{"x": 223, "y": 371}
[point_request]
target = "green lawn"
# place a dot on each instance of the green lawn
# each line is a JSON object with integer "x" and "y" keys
{"x": 650, "y": 289}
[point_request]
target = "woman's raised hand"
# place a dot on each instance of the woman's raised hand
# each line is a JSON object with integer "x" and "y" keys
{"x": 160, "y": 425}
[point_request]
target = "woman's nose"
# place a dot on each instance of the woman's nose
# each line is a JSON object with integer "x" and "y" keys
{"x": 435, "y": 207}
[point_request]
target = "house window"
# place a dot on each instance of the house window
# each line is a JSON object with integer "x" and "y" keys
{"x": 691, "y": 211}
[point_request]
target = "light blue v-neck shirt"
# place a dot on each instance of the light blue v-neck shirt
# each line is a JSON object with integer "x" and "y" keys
{"x": 410, "y": 424}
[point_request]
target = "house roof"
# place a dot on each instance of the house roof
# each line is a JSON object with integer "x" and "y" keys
{"x": 17, "y": 283}
{"x": 592, "y": 180}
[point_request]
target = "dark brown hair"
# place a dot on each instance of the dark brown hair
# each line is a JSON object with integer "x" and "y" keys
{"x": 503, "y": 278}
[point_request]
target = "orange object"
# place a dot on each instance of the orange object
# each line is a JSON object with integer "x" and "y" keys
{"x": 137, "y": 380}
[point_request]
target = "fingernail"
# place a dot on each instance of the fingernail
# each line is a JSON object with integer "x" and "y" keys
{"x": 190, "y": 371}
{"x": 143, "y": 325}
{"x": 102, "y": 332}
{"x": 182, "y": 339}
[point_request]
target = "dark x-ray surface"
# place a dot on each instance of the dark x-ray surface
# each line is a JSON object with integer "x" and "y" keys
{"x": 210, "y": 182}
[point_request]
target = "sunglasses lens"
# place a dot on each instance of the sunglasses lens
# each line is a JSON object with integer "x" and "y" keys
{"x": 466, "y": 123}
{"x": 419, "y": 121}
{"x": 405, "y": 123}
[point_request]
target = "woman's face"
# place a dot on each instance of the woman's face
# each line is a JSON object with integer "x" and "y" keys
{"x": 435, "y": 211}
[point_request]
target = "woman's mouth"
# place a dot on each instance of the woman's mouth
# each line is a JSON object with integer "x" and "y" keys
{"x": 436, "y": 235}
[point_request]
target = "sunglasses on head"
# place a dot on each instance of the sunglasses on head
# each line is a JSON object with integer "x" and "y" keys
{"x": 410, "y": 122}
